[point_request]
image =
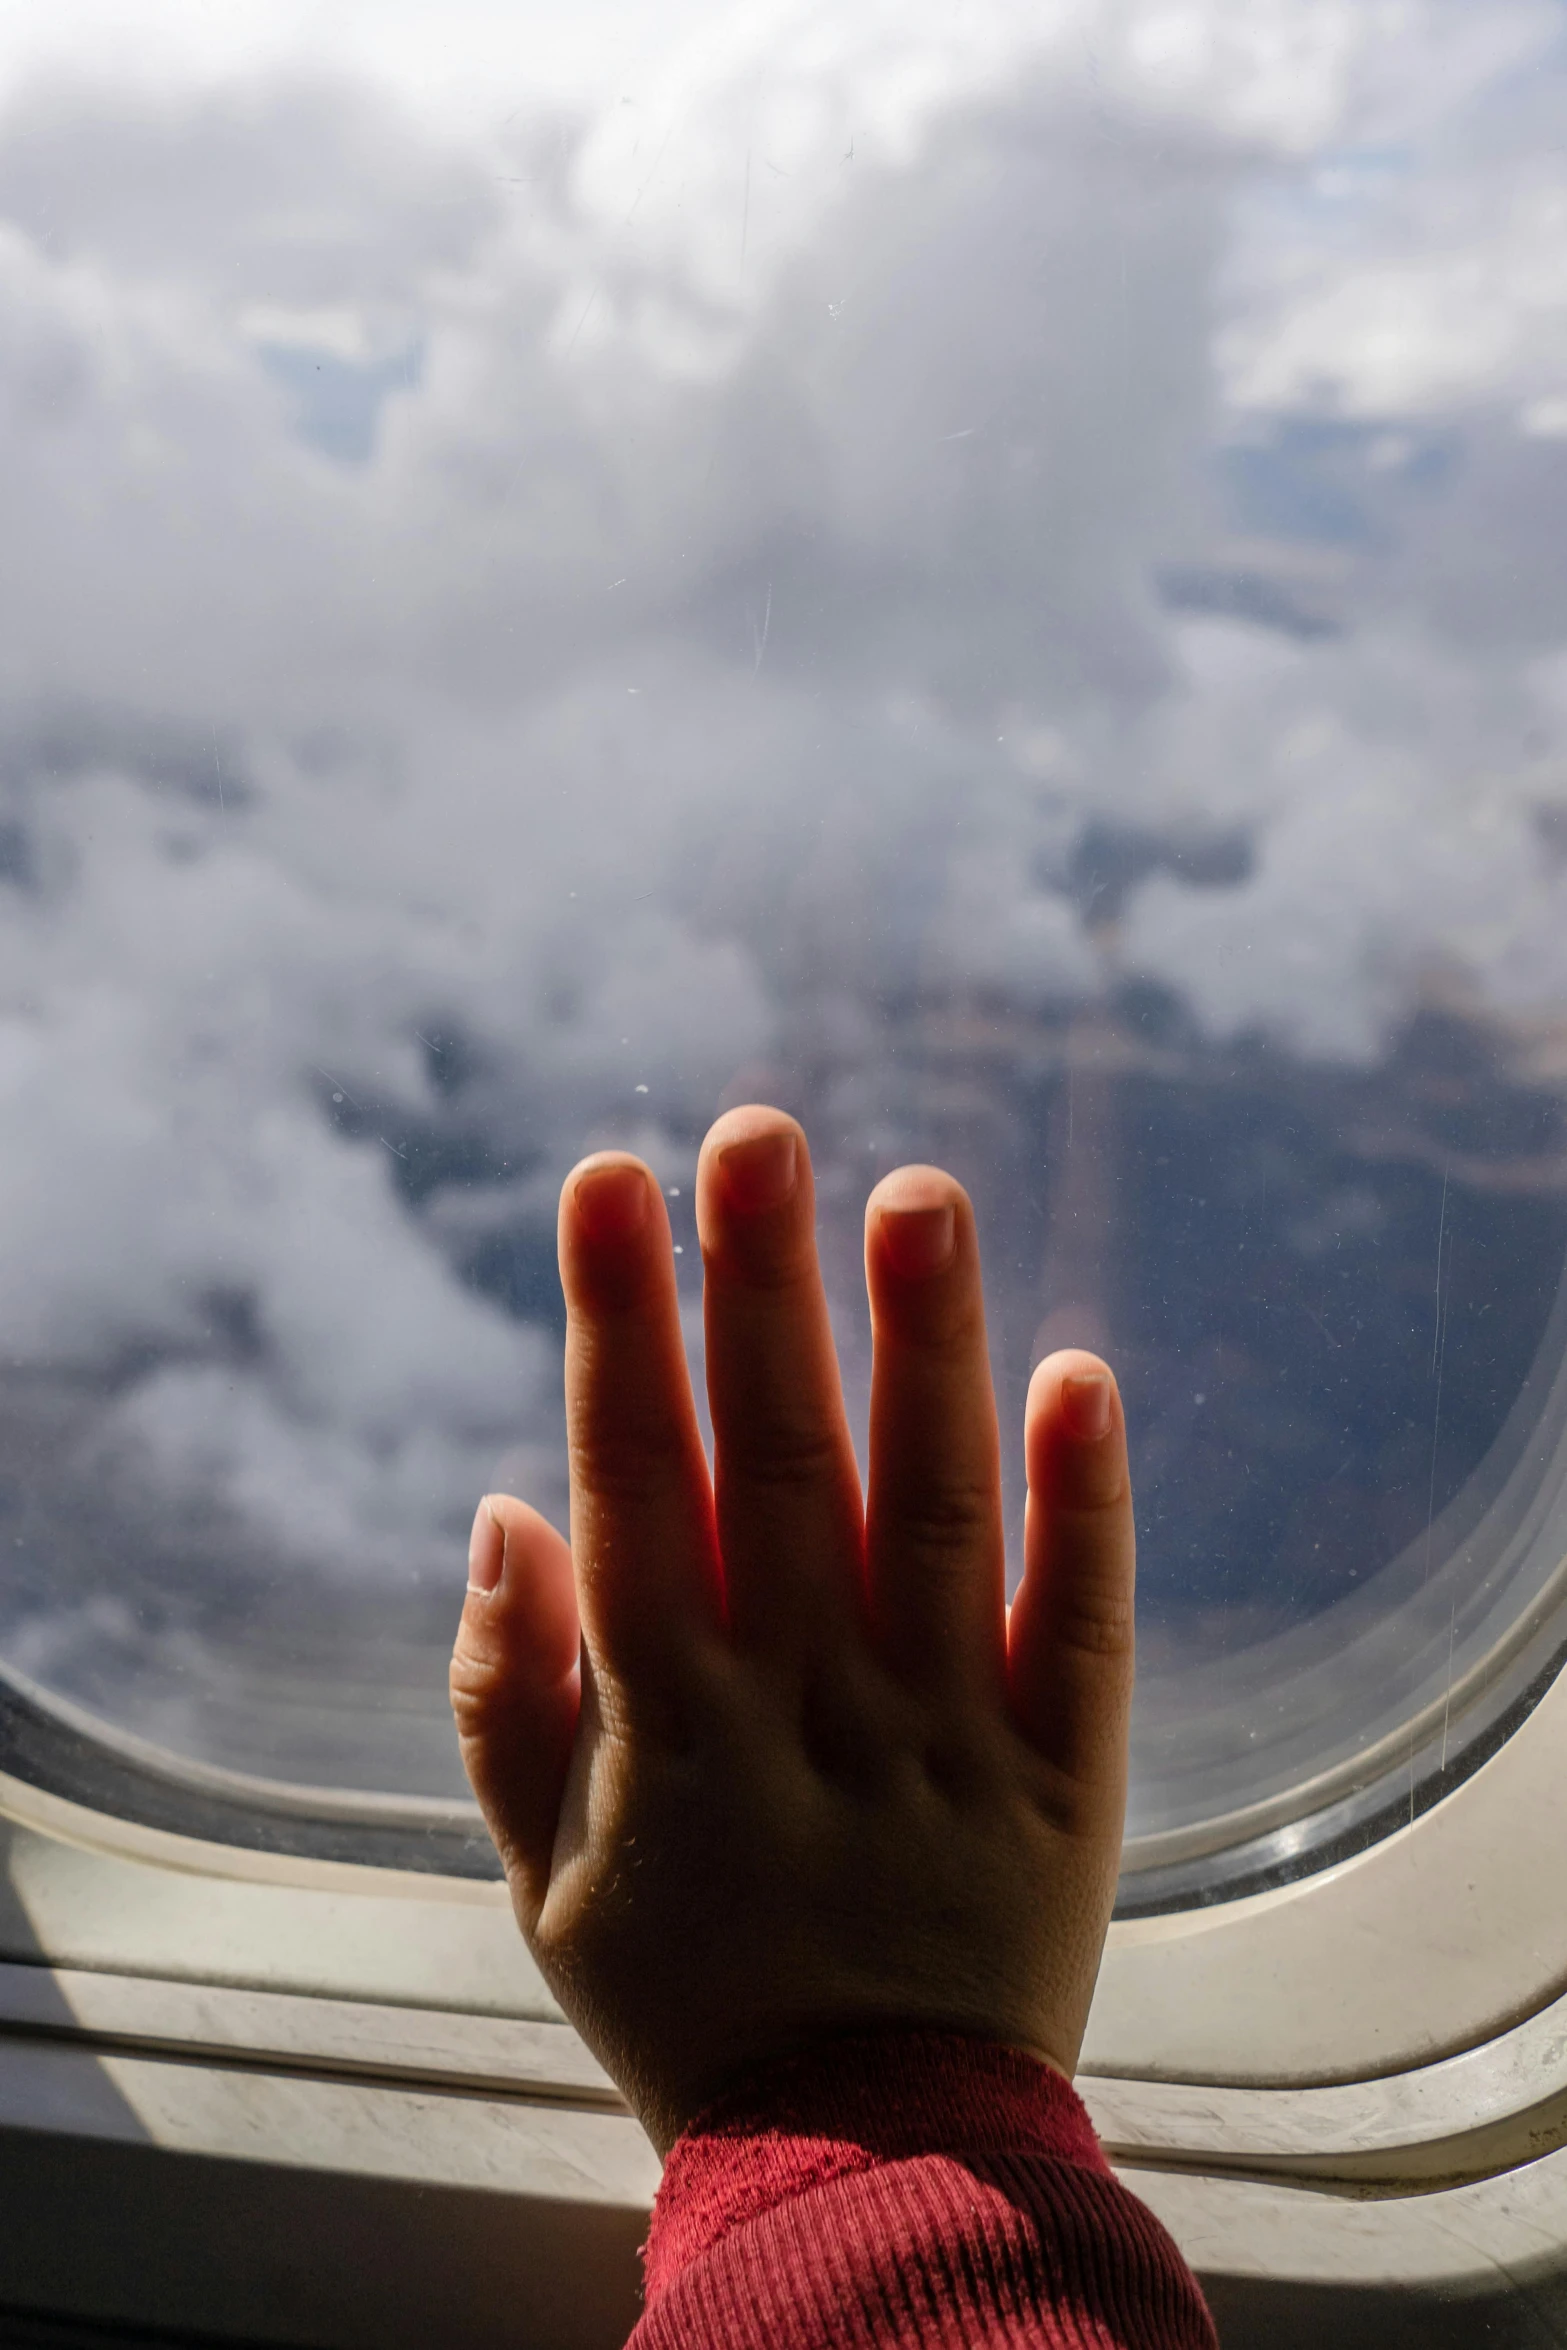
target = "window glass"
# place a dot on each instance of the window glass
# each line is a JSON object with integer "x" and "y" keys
{"x": 993, "y": 577}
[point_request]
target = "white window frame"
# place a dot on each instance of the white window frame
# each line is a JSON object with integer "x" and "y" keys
{"x": 1354, "y": 2085}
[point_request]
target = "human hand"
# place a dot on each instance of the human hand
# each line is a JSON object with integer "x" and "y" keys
{"x": 764, "y": 1764}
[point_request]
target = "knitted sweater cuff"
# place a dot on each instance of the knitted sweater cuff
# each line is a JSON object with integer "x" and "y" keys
{"x": 850, "y": 2106}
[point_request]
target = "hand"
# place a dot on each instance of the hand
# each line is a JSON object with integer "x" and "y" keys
{"x": 764, "y": 1764}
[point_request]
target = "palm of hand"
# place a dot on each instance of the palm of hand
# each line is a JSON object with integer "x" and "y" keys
{"x": 763, "y": 1762}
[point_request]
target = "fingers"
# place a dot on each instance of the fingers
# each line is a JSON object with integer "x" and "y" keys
{"x": 515, "y": 1684}
{"x": 641, "y": 1507}
{"x": 785, "y": 1481}
{"x": 1070, "y": 1642}
{"x": 935, "y": 1551}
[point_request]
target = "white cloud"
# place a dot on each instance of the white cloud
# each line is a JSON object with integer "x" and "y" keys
{"x": 745, "y": 603}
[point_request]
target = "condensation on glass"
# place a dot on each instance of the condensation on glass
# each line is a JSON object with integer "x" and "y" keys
{"x": 995, "y": 581}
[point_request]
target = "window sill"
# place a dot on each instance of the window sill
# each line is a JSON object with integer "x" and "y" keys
{"x": 302, "y": 2101}
{"x": 276, "y": 2169}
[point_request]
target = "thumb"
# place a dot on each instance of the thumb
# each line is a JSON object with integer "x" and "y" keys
{"x": 515, "y": 1686}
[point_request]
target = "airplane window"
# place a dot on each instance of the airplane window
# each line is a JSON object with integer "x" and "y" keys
{"x": 992, "y": 578}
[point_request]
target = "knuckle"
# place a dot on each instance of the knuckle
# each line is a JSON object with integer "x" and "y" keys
{"x": 949, "y": 1521}
{"x": 1096, "y": 1487}
{"x": 946, "y": 1322}
{"x": 959, "y": 1766}
{"x": 841, "y": 1740}
{"x": 770, "y": 1256}
{"x": 477, "y": 1684}
{"x": 1097, "y": 1623}
{"x": 619, "y": 1461}
{"x": 784, "y": 1455}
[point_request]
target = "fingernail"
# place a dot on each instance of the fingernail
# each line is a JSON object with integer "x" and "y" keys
{"x": 486, "y": 1550}
{"x": 1085, "y": 1405}
{"x": 761, "y": 1172}
{"x": 919, "y": 1241}
{"x": 612, "y": 1202}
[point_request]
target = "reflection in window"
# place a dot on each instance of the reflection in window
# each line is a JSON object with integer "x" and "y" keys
{"x": 1002, "y": 593}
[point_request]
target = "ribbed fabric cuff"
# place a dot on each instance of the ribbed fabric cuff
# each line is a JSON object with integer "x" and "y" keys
{"x": 850, "y": 2106}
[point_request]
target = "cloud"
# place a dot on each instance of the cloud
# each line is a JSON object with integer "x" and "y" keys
{"x": 509, "y": 637}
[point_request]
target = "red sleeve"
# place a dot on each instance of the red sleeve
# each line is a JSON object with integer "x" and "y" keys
{"x": 907, "y": 2187}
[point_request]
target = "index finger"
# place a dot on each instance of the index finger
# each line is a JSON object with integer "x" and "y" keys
{"x": 642, "y": 1534}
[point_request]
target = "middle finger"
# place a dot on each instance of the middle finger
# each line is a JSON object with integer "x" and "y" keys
{"x": 790, "y": 1523}
{"x": 935, "y": 1546}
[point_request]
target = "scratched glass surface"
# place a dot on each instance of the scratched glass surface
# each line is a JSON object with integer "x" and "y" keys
{"x": 990, "y": 574}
